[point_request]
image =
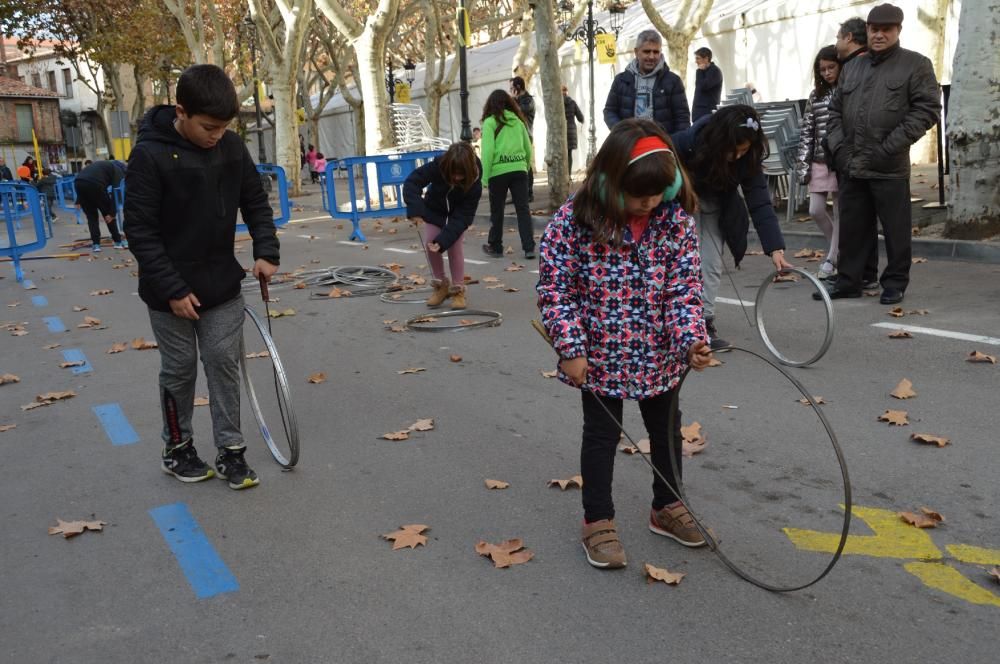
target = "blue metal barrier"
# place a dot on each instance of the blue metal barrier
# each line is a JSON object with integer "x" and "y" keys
{"x": 21, "y": 241}
{"x": 118, "y": 197}
{"x": 391, "y": 170}
{"x": 284, "y": 206}
{"x": 66, "y": 195}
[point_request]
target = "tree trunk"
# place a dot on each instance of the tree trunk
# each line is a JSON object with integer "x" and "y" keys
{"x": 974, "y": 125}
{"x": 555, "y": 114}
{"x": 690, "y": 17}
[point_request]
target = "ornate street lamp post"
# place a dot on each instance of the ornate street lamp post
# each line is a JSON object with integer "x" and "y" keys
{"x": 587, "y": 33}
{"x": 463, "y": 76}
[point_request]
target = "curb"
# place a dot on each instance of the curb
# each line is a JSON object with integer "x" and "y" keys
{"x": 943, "y": 249}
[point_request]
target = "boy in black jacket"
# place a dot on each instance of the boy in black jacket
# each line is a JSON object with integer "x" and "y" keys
{"x": 187, "y": 177}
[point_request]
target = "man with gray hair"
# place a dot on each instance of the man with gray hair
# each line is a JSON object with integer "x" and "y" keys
{"x": 648, "y": 89}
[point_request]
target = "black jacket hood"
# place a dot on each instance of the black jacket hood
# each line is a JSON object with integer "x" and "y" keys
{"x": 158, "y": 125}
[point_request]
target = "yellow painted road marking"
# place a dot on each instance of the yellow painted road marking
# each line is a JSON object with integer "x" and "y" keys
{"x": 948, "y": 579}
{"x": 892, "y": 539}
{"x": 974, "y": 554}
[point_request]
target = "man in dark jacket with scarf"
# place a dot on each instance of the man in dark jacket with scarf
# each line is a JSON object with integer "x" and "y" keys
{"x": 187, "y": 179}
{"x": 573, "y": 115}
{"x": 707, "y": 84}
{"x": 648, "y": 89}
{"x": 883, "y": 104}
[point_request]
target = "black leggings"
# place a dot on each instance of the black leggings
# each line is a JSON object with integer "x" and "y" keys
{"x": 600, "y": 444}
{"x": 517, "y": 184}
{"x": 96, "y": 203}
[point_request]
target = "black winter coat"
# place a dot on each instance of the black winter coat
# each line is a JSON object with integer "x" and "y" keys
{"x": 102, "y": 173}
{"x": 883, "y": 104}
{"x": 707, "y": 91}
{"x": 180, "y": 213}
{"x": 733, "y": 220}
{"x": 573, "y": 115}
{"x": 444, "y": 205}
{"x": 670, "y": 105}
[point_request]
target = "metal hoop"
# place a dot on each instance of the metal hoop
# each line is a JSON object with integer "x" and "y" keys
{"x": 399, "y": 296}
{"x": 709, "y": 538}
{"x": 494, "y": 318}
{"x": 762, "y": 331}
{"x": 283, "y": 392}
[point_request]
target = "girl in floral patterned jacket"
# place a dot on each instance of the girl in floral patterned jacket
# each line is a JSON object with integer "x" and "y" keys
{"x": 621, "y": 297}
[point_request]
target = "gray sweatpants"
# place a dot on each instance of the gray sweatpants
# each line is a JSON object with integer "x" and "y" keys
{"x": 218, "y": 335}
{"x": 712, "y": 245}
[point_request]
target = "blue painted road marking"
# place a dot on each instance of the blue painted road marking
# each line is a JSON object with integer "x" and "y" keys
{"x": 28, "y": 284}
{"x": 39, "y": 300}
{"x": 54, "y": 323}
{"x": 76, "y": 355}
{"x": 204, "y": 569}
{"x": 115, "y": 424}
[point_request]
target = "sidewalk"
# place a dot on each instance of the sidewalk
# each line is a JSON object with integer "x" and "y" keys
{"x": 800, "y": 233}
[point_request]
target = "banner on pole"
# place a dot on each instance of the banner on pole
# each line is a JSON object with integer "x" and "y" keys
{"x": 465, "y": 32}
{"x": 403, "y": 92}
{"x": 607, "y": 49}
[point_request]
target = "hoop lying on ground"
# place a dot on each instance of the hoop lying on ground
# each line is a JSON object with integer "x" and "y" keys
{"x": 762, "y": 331}
{"x": 419, "y": 323}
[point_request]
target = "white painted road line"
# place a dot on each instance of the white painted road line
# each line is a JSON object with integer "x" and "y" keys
{"x": 948, "y": 334}
{"x": 400, "y": 251}
{"x": 726, "y": 300}
{"x": 475, "y": 262}
{"x": 302, "y": 221}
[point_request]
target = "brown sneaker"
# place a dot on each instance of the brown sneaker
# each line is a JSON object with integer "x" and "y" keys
{"x": 440, "y": 293}
{"x": 457, "y": 294}
{"x": 601, "y": 543}
{"x": 676, "y": 522}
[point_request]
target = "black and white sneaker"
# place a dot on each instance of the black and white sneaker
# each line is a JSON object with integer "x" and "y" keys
{"x": 230, "y": 465}
{"x": 714, "y": 341}
{"x": 182, "y": 462}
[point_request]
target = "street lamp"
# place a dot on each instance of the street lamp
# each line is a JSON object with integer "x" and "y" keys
{"x": 251, "y": 31}
{"x": 463, "y": 76}
{"x": 587, "y": 33}
{"x": 165, "y": 68}
{"x": 411, "y": 71}
{"x": 390, "y": 81}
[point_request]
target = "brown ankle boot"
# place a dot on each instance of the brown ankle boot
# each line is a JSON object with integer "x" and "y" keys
{"x": 457, "y": 294}
{"x": 440, "y": 293}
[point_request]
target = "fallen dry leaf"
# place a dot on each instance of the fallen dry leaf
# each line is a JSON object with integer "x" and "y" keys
{"x": 78, "y": 308}
{"x": 505, "y": 554}
{"x": 7, "y": 427}
{"x": 411, "y": 370}
{"x": 904, "y": 390}
{"x": 819, "y": 401}
{"x": 73, "y": 528}
{"x": 897, "y": 417}
{"x": 575, "y": 481}
{"x": 976, "y": 356}
{"x": 141, "y": 344}
{"x": 549, "y": 374}
{"x": 918, "y": 312}
{"x": 407, "y": 536}
{"x": 919, "y": 260}
{"x": 281, "y": 314}
{"x": 900, "y": 334}
{"x": 263, "y": 353}
{"x": 897, "y": 312}
{"x": 102, "y": 291}
{"x": 927, "y": 518}
{"x": 52, "y": 346}
{"x": 641, "y": 445}
{"x": 791, "y": 276}
{"x": 654, "y": 574}
{"x": 117, "y": 347}
{"x": 9, "y": 378}
{"x": 422, "y": 425}
{"x": 693, "y": 441}
{"x": 464, "y": 321}
{"x": 337, "y": 292}
{"x": 930, "y": 439}
{"x": 511, "y": 290}
{"x": 396, "y": 435}
{"x": 995, "y": 573}
{"x": 56, "y": 396}
{"x": 513, "y": 268}
{"x": 74, "y": 363}
{"x": 90, "y": 321}
{"x": 754, "y": 252}
{"x": 455, "y": 358}
{"x": 490, "y": 280}
{"x": 496, "y": 484}
{"x": 201, "y": 401}
{"x": 14, "y": 304}
{"x": 317, "y": 378}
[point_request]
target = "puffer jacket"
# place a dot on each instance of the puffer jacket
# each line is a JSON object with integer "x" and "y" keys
{"x": 670, "y": 105}
{"x": 811, "y": 136}
{"x": 633, "y": 311}
{"x": 883, "y": 104}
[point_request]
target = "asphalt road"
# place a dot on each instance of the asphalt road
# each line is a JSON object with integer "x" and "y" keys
{"x": 311, "y": 580}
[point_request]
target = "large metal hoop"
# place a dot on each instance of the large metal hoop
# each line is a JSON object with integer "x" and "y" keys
{"x": 713, "y": 543}
{"x": 288, "y": 421}
{"x": 762, "y": 331}
{"x": 493, "y": 318}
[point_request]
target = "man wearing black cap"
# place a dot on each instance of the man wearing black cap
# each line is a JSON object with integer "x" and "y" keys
{"x": 883, "y": 104}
